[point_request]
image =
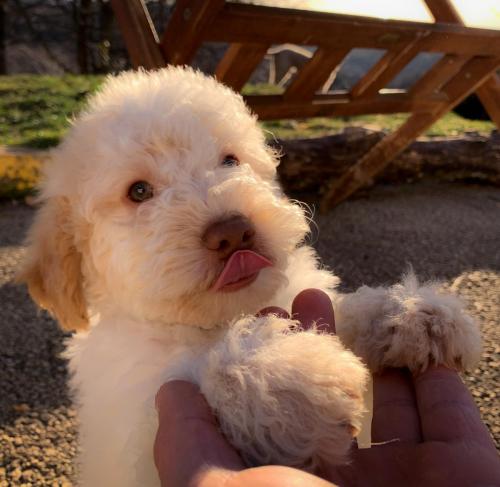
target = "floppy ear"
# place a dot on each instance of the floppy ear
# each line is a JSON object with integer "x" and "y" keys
{"x": 53, "y": 267}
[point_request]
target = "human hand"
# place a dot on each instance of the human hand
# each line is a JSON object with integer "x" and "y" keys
{"x": 430, "y": 425}
{"x": 190, "y": 450}
{"x": 428, "y": 433}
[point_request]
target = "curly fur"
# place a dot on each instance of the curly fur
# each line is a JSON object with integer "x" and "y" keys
{"x": 275, "y": 413}
{"x": 135, "y": 281}
{"x": 408, "y": 325}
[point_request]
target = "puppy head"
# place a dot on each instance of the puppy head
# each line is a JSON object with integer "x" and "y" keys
{"x": 156, "y": 161}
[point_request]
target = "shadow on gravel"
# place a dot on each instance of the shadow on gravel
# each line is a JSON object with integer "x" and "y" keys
{"x": 32, "y": 374}
{"x": 442, "y": 231}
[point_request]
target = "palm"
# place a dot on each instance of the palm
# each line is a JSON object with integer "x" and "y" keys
{"x": 427, "y": 432}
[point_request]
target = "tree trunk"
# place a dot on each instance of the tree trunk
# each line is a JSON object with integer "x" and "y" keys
{"x": 102, "y": 63}
{"x": 82, "y": 35}
{"x": 21, "y": 9}
{"x": 3, "y": 36}
{"x": 308, "y": 164}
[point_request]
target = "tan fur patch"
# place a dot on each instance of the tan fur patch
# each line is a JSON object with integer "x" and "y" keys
{"x": 53, "y": 268}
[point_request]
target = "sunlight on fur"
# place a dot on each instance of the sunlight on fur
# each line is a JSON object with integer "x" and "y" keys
{"x": 117, "y": 252}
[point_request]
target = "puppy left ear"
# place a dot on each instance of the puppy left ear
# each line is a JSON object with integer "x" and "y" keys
{"x": 53, "y": 267}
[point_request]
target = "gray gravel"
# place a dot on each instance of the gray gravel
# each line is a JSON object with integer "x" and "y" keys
{"x": 448, "y": 232}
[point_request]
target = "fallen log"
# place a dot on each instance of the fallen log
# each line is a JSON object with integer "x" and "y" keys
{"x": 307, "y": 164}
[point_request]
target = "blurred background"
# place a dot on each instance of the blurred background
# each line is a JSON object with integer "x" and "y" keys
{"x": 81, "y": 36}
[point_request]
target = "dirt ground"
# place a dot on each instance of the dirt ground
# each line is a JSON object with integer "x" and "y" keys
{"x": 447, "y": 232}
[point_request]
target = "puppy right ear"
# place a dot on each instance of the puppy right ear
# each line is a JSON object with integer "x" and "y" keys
{"x": 52, "y": 270}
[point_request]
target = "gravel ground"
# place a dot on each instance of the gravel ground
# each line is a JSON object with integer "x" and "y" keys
{"x": 448, "y": 232}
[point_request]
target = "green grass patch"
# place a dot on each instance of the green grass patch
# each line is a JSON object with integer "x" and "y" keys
{"x": 34, "y": 112}
{"x": 450, "y": 125}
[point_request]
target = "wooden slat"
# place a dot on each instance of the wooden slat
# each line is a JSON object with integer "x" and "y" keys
{"x": 373, "y": 73}
{"x": 468, "y": 43}
{"x": 469, "y": 78}
{"x": 314, "y": 74}
{"x": 139, "y": 33}
{"x": 186, "y": 28}
{"x": 238, "y": 64}
{"x": 271, "y": 107}
{"x": 375, "y": 160}
{"x": 277, "y": 25}
{"x": 386, "y": 69}
{"x": 489, "y": 92}
{"x": 444, "y": 69}
{"x": 443, "y": 11}
{"x": 473, "y": 74}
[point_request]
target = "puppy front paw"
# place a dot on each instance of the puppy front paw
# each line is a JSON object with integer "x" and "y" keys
{"x": 284, "y": 396}
{"x": 413, "y": 326}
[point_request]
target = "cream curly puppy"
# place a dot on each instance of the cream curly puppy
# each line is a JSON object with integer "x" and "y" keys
{"x": 162, "y": 231}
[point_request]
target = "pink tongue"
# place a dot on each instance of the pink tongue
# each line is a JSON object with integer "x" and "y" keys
{"x": 243, "y": 263}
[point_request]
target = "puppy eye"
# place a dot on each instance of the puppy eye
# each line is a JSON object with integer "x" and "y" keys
{"x": 140, "y": 191}
{"x": 230, "y": 160}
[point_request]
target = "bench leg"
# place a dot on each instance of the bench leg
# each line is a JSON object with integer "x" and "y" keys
{"x": 376, "y": 159}
{"x": 489, "y": 94}
{"x": 471, "y": 77}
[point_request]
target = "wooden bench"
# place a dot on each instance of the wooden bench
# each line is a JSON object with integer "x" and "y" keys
{"x": 470, "y": 59}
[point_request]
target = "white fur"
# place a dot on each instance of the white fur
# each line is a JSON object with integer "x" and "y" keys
{"x": 307, "y": 412}
{"x": 408, "y": 325}
{"x": 141, "y": 276}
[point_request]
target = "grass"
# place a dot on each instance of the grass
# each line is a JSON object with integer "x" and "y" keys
{"x": 450, "y": 125}
{"x": 34, "y": 110}
{"x": 35, "y": 113}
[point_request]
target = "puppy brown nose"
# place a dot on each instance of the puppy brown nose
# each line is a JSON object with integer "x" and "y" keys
{"x": 227, "y": 236}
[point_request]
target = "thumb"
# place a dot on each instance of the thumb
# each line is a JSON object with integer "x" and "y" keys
{"x": 313, "y": 306}
{"x": 188, "y": 440}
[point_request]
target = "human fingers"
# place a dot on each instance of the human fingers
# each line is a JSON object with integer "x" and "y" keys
{"x": 395, "y": 414}
{"x": 273, "y": 310}
{"x": 446, "y": 408}
{"x": 314, "y": 306}
{"x": 429, "y": 464}
{"x": 393, "y": 465}
{"x": 188, "y": 440}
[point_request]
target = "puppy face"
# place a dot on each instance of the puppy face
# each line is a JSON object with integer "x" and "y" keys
{"x": 156, "y": 161}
